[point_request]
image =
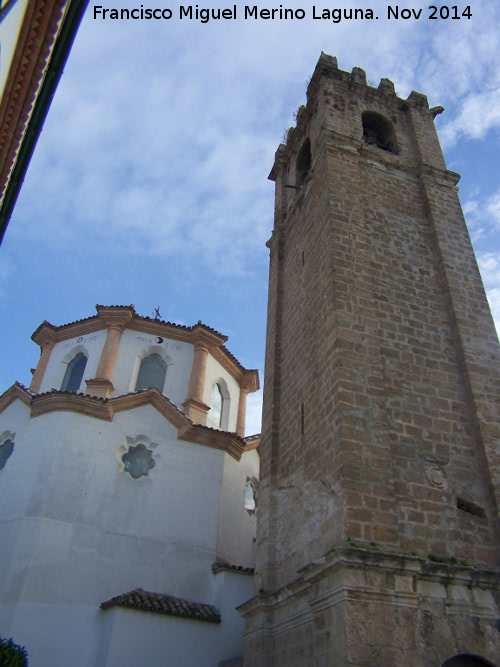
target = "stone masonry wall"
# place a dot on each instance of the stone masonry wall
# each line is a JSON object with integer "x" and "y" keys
{"x": 380, "y": 421}
{"x": 378, "y": 437}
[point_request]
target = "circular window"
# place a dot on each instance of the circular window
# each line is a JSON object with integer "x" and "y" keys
{"x": 138, "y": 461}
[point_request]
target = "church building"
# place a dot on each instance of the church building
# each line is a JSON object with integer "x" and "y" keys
{"x": 127, "y": 496}
{"x": 135, "y": 526}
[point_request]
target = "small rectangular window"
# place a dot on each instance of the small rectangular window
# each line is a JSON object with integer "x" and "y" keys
{"x": 471, "y": 508}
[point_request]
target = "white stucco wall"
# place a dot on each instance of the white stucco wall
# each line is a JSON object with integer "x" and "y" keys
{"x": 131, "y": 637}
{"x": 66, "y": 350}
{"x": 75, "y": 531}
{"x": 64, "y": 471}
{"x": 237, "y": 527}
{"x": 178, "y": 356}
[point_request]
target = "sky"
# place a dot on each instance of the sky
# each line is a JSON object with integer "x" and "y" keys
{"x": 149, "y": 184}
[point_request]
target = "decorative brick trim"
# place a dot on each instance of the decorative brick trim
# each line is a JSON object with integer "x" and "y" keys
{"x": 197, "y": 334}
{"x": 252, "y": 442}
{"x": 222, "y": 565}
{"x": 231, "y": 443}
{"x": 14, "y": 393}
{"x": 150, "y": 397}
{"x": 233, "y": 366}
{"x": 36, "y": 38}
{"x": 196, "y": 410}
{"x": 60, "y": 401}
{"x": 99, "y": 388}
{"x": 105, "y": 409}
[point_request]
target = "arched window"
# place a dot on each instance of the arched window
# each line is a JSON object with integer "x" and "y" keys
{"x": 74, "y": 373}
{"x": 378, "y": 131}
{"x": 216, "y": 405}
{"x": 6, "y": 449}
{"x": 152, "y": 373}
{"x": 303, "y": 162}
{"x": 250, "y": 500}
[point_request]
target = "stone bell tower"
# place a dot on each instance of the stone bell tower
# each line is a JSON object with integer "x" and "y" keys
{"x": 378, "y": 538}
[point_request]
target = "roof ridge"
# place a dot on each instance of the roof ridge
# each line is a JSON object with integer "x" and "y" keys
{"x": 163, "y": 603}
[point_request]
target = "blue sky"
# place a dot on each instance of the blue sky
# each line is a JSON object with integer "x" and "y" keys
{"x": 149, "y": 182}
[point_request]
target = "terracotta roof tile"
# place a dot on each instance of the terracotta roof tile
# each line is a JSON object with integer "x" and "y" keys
{"x": 161, "y": 603}
{"x": 24, "y": 388}
{"x": 135, "y": 316}
{"x": 249, "y": 438}
{"x": 154, "y": 326}
{"x": 219, "y": 565}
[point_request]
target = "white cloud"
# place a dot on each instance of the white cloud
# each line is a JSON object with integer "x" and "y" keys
{"x": 493, "y": 207}
{"x": 483, "y": 216}
{"x": 479, "y": 113}
{"x": 160, "y": 138}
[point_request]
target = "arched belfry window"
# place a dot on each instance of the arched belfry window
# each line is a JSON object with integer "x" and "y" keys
{"x": 378, "y": 131}
{"x": 303, "y": 162}
{"x": 152, "y": 373}
{"x": 216, "y": 405}
{"x": 74, "y": 373}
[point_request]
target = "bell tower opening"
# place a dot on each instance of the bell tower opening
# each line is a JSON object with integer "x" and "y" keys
{"x": 378, "y": 131}
{"x": 303, "y": 163}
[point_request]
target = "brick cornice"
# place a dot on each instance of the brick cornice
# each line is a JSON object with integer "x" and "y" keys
{"x": 198, "y": 405}
{"x": 249, "y": 381}
{"x": 200, "y": 334}
{"x": 36, "y": 38}
{"x": 209, "y": 437}
{"x": 206, "y": 337}
{"x": 105, "y": 409}
{"x": 80, "y": 328}
{"x": 45, "y": 335}
{"x": 14, "y": 393}
{"x": 115, "y": 317}
{"x": 252, "y": 442}
{"x": 59, "y": 401}
{"x": 445, "y": 177}
{"x": 250, "y": 377}
{"x": 150, "y": 397}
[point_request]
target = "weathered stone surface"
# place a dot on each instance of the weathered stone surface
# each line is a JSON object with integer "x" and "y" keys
{"x": 382, "y": 385}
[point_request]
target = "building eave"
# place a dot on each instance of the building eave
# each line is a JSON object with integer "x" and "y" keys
{"x": 160, "y": 603}
{"x": 198, "y": 334}
{"x": 106, "y": 408}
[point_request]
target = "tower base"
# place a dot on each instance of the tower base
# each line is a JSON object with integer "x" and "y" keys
{"x": 364, "y": 607}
